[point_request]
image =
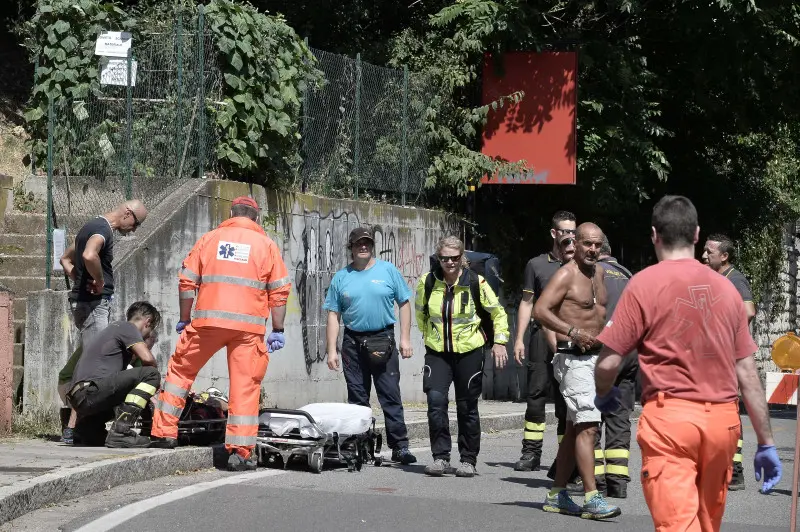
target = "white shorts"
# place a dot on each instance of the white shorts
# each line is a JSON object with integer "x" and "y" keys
{"x": 575, "y": 374}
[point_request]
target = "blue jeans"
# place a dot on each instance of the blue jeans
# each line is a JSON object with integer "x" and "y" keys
{"x": 359, "y": 373}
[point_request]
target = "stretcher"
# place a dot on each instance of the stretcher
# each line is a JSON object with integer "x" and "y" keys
{"x": 336, "y": 432}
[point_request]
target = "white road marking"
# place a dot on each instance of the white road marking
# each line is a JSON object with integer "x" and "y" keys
{"x": 126, "y": 513}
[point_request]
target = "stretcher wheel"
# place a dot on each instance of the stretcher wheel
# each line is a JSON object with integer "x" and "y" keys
{"x": 315, "y": 462}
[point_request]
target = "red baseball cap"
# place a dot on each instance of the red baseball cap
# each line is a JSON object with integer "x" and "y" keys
{"x": 245, "y": 200}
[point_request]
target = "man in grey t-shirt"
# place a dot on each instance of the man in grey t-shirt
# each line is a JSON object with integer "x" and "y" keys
{"x": 102, "y": 388}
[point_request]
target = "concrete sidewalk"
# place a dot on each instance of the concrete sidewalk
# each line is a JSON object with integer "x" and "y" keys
{"x": 36, "y": 473}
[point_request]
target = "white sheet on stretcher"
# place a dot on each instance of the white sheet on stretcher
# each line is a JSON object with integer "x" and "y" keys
{"x": 342, "y": 418}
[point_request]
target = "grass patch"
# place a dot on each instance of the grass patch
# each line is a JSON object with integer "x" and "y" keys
{"x": 38, "y": 422}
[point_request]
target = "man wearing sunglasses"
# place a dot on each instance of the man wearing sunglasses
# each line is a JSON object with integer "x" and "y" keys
{"x": 538, "y": 272}
{"x": 87, "y": 263}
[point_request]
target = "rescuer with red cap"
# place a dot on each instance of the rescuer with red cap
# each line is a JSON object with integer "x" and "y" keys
{"x": 238, "y": 277}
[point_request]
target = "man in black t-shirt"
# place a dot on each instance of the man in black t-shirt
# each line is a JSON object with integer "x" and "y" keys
{"x": 87, "y": 263}
{"x": 102, "y": 388}
{"x": 538, "y": 272}
{"x": 718, "y": 255}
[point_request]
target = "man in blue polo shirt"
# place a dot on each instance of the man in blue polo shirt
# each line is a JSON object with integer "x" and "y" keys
{"x": 363, "y": 295}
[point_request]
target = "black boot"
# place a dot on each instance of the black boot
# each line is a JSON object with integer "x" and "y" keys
{"x": 121, "y": 434}
{"x": 528, "y": 462}
{"x": 617, "y": 491}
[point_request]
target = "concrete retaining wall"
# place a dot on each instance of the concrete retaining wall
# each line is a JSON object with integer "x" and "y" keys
{"x": 312, "y": 233}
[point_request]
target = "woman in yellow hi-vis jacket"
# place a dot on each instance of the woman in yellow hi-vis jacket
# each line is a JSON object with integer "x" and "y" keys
{"x": 449, "y": 304}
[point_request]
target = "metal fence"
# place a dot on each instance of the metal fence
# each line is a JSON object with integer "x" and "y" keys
{"x": 363, "y": 130}
{"x": 152, "y": 125}
{"x": 140, "y": 134}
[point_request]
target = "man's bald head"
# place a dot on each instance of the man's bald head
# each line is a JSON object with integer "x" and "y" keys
{"x": 588, "y": 241}
{"x": 129, "y": 216}
{"x": 588, "y": 227}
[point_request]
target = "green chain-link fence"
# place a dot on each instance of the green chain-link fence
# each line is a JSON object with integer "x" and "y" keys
{"x": 139, "y": 137}
{"x": 363, "y": 131}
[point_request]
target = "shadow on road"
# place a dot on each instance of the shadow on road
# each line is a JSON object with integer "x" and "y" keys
{"x": 530, "y": 482}
{"x": 509, "y": 465}
{"x": 522, "y": 504}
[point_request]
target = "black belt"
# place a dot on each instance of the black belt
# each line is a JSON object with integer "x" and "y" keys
{"x": 572, "y": 348}
{"x": 351, "y": 332}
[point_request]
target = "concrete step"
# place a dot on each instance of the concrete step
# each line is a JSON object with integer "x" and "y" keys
{"x": 17, "y": 244}
{"x": 19, "y": 354}
{"x": 19, "y": 331}
{"x": 20, "y": 308}
{"x": 22, "y": 285}
{"x": 22, "y": 265}
{"x": 25, "y": 223}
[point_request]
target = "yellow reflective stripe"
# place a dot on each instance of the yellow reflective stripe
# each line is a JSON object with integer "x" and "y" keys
{"x": 618, "y": 453}
{"x": 169, "y": 409}
{"x": 149, "y": 389}
{"x": 186, "y": 294}
{"x": 535, "y": 426}
{"x": 233, "y": 316}
{"x": 739, "y": 444}
{"x": 242, "y": 420}
{"x": 737, "y": 457}
{"x": 175, "y": 390}
{"x": 598, "y": 453}
{"x": 560, "y": 437}
{"x": 186, "y": 272}
{"x": 500, "y": 338}
{"x": 454, "y": 321}
{"x": 141, "y": 402}
{"x": 617, "y": 470}
{"x": 600, "y": 470}
{"x": 231, "y": 279}
{"x": 274, "y": 285}
{"x": 231, "y": 439}
{"x": 536, "y": 436}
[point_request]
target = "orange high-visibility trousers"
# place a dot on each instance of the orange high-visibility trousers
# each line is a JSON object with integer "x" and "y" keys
{"x": 247, "y": 365}
{"x": 687, "y": 448}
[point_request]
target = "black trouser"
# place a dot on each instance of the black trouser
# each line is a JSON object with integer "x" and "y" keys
{"x": 611, "y": 465}
{"x": 94, "y": 400}
{"x": 359, "y": 373}
{"x": 465, "y": 371}
{"x": 541, "y": 384}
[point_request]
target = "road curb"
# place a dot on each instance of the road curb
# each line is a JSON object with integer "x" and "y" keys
{"x": 73, "y": 482}
{"x": 418, "y": 430}
{"x": 32, "y": 494}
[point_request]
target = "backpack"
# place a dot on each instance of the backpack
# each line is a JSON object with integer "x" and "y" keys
{"x": 484, "y": 264}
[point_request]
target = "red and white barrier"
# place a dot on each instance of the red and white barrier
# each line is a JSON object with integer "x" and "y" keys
{"x": 782, "y": 388}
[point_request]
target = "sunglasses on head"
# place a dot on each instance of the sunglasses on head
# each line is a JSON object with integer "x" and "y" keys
{"x": 451, "y": 258}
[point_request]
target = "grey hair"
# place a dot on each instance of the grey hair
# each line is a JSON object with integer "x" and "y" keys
{"x": 455, "y": 243}
{"x": 605, "y": 249}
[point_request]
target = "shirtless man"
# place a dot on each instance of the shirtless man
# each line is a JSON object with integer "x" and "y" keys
{"x": 573, "y": 306}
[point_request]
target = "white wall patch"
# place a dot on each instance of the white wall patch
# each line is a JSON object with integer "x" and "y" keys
{"x": 233, "y": 251}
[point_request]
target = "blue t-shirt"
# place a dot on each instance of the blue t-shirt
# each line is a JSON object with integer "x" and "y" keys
{"x": 365, "y": 299}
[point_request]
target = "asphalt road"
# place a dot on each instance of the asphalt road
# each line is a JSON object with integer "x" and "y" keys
{"x": 389, "y": 498}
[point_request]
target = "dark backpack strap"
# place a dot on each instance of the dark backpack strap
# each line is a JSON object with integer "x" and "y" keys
{"x": 430, "y": 280}
{"x": 475, "y": 290}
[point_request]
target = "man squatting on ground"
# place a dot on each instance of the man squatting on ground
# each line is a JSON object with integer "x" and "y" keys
{"x": 689, "y": 327}
{"x": 104, "y": 389}
{"x": 573, "y": 306}
{"x": 541, "y": 382}
{"x": 718, "y": 254}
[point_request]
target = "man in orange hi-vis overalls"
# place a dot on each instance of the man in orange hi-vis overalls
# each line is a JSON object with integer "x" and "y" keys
{"x": 695, "y": 352}
{"x": 239, "y": 277}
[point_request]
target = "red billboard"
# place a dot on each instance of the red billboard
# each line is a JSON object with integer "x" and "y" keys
{"x": 540, "y": 129}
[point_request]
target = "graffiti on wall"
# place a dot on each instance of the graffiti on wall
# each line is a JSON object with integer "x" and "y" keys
{"x": 317, "y": 249}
